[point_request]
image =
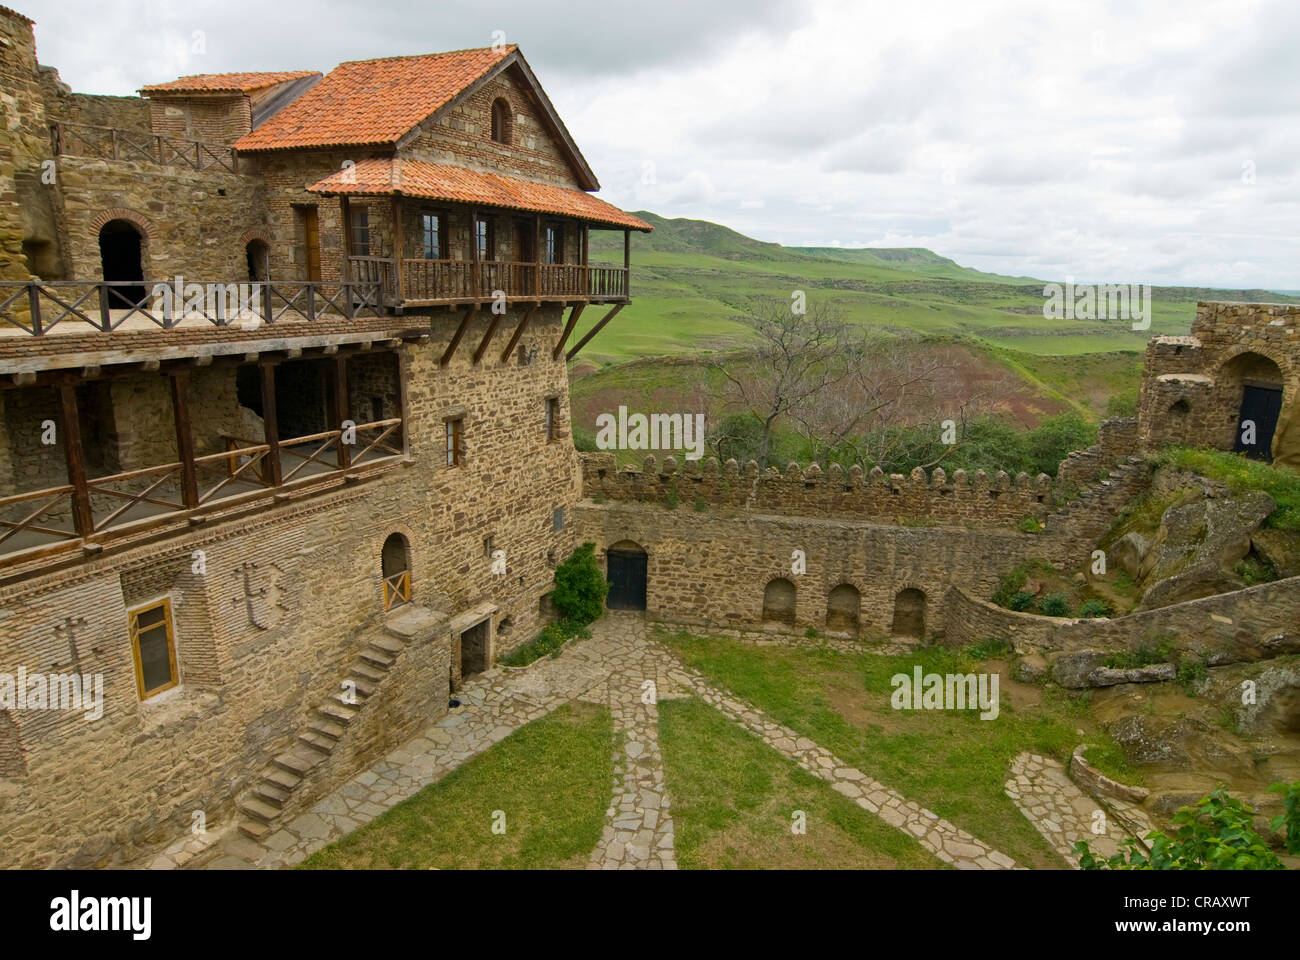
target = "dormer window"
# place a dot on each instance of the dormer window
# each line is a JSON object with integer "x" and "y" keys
{"x": 500, "y": 121}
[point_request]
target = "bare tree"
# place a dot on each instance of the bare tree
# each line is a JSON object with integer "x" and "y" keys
{"x": 797, "y": 357}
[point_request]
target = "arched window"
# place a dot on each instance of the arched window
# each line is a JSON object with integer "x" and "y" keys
{"x": 395, "y": 560}
{"x": 500, "y": 120}
{"x": 778, "y": 602}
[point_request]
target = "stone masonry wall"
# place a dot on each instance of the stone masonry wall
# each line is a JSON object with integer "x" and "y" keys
{"x": 266, "y": 633}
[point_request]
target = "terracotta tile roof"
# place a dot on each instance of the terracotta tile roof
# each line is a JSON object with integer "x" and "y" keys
{"x": 226, "y": 82}
{"x": 372, "y": 102}
{"x": 437, "y": 181}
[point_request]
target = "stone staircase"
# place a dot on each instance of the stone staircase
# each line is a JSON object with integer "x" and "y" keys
{"x": 286, "y": 773}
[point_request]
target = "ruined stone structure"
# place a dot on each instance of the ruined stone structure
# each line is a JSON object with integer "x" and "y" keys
{"x": 1239, "y": 366}
{"x": 283, "y": 426}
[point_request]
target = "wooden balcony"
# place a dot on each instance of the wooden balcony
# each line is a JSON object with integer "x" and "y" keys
{"x": 449, "y": 282}
{"x": 116, "y": 143}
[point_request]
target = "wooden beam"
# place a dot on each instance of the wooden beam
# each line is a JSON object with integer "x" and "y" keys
{"x": 627, "y": 250}
{"x": 180, "y": 381}
{"x": 487, "y": 337}
{"x": 593, "y": 331}
{"x": 460, "y": 332}
{"x": 398, "y": 246}
{"x": 82, "y": 518}
{"x": 574, "y": 314}
{"x": 271, "y": 428}
{"x": 339, "y": 375}
{"x": 519, "y": 332}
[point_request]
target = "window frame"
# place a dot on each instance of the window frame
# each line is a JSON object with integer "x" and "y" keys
{"x": 441, "y": 232}
{"x": 487, "y": 252}
{"x": 133, "y": 629}
{"x": 554, "y": 241}
{"x": 505, "y": 121}
{"x": 454, "y": 442}
{"x": 359, "y": 223}
{"x": 552, "y": 419}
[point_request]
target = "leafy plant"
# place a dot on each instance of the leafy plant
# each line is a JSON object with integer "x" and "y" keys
{"x": 701, "y": 505}
{"x": 671, "y": 499}
{"x": 1255, "y": 570}
{"x": 1020, "y": 601}
{"x": 1029, "y": 525}
{"x": 1218, "y": 833}
{"x": 548, "y": 642}
{"x": 990, "y": 648}
{"x": 580, "y": 587}
{"x": 1054, "y": 605}
{"x": 1290, "y": 815}
{"x": 1091, "y": 609}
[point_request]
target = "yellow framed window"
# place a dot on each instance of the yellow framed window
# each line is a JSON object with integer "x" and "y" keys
{"x": 153, "y": 646}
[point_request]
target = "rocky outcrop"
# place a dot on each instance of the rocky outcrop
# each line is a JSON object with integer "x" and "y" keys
{"x": 1197, "y": 547}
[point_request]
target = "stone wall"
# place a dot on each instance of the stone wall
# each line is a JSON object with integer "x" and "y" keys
{"x": 1227, "y": 623}
{"x": 462, "y": 135}
{"x": 64, "y": 106}
{"x": 212, "y": 119}
{"x": 1192, "y": 385}
{"x": 268, "y": 630}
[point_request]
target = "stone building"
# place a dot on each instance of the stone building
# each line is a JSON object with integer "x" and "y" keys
{"x": 283, "y": 426}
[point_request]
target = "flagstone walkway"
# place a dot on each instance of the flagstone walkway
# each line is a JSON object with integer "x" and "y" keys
{"x": 612, "y": 668}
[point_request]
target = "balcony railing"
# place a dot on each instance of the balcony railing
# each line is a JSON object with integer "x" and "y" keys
{"x": 36, "y": 307}
{"x": 117, "y": 143}
{"x": 449, "y": 281}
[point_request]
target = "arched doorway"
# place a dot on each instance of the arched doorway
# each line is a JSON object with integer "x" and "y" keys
{"x": 843, "y": 604}
{"x": 1253, "y": 384}
{"x": 395, "y": 561}
{"x": 121, "y": 256}
{"x": 779, "y": 602}
{"x": 626, "y": 565}
{"x": 909, "y": 614}
{"x": 258, "y": 255}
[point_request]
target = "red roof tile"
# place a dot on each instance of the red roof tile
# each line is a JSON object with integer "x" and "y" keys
{"x": 437, "y": 181}
{"x": 372, "y": 102}
{"x": 226, "y": 82}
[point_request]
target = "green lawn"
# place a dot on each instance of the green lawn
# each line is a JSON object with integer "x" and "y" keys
{"x": 734, "y": 799}
{"x": 951, "y": 762}
{"x": 550, "y": 778}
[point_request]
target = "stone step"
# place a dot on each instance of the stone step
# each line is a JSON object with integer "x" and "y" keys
{"x": 317, "y": 742}
{"x": 365, "y": 688}
{"x": 328, "y": 728}
{"x": 347, "y": 701}
{"x": 271, "y": 794}
{"x": 285, "y": 779}
{"x": 377, "y": 657}
{"x": 259, "y": 810}
{"x": 367, "y": 671}
{"x": 299, "y": 760}
{"x": 336, "y": 711}
{"x": 253, "y": 829}
{"x": 388, "y": 644}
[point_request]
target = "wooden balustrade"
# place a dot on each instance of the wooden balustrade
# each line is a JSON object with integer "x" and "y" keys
{"x": 119, "y": 143}
{"x": 397, "y": 589}
{"x": 436, "y": 281}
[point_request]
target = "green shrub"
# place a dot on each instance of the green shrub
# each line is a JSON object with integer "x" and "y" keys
{"x": 1242, "y": 475}
{"x": 548, "y": 642}
{"x": 1054, "y": 605}
{"x": 1146, "y": 654}
{"x": 580, "y": 587}
{"x": 1020, "y": 601}
{"x": 1091, "y": 609}
{"x": 1192, "y": 669}
{"x": 701, "y": 505}
{"x": 1029, "y": 525}
{"x": 671, "y": 500}
{"x": 1255, "y": 570}
{"x": 811, "y": 633}
{"x": 583, "y": 440}
{"x": 1290, "y": 815}
{"x": 1216, "y": 834}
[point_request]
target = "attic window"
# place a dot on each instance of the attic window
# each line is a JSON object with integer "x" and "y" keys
{"x": 500, "y": 121}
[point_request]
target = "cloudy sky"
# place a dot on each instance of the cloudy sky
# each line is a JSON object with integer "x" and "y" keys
{"x": 1143, "y": 142}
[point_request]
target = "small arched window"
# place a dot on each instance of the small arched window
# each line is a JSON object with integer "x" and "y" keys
{"x": 500, "y": 121}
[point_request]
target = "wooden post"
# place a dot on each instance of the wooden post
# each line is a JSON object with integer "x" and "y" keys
{"x": 345, "y": 208}
{"x": 398, "y": 247}
{"x": 275, "y": 475}
{"x": 473, "y": 244}
{"x": 180, "y": 380}
{"x": 82, "y": 518}
{"x": 341, "y": 407}
{"x": 540, "y": 256}
{"x": 627, "y": 262}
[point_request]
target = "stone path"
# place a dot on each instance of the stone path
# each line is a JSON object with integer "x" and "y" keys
{"x": 638, "y": 834}
{"x": 610, "y": 668}
{"x": 1064, "y": 814}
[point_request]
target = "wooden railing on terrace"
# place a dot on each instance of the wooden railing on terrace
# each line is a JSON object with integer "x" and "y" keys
{"x": 44, "y": 521}
{"x": 445, "y": 281}
{"x": 36, "y": 307}
{"x": 117, "y": 143}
